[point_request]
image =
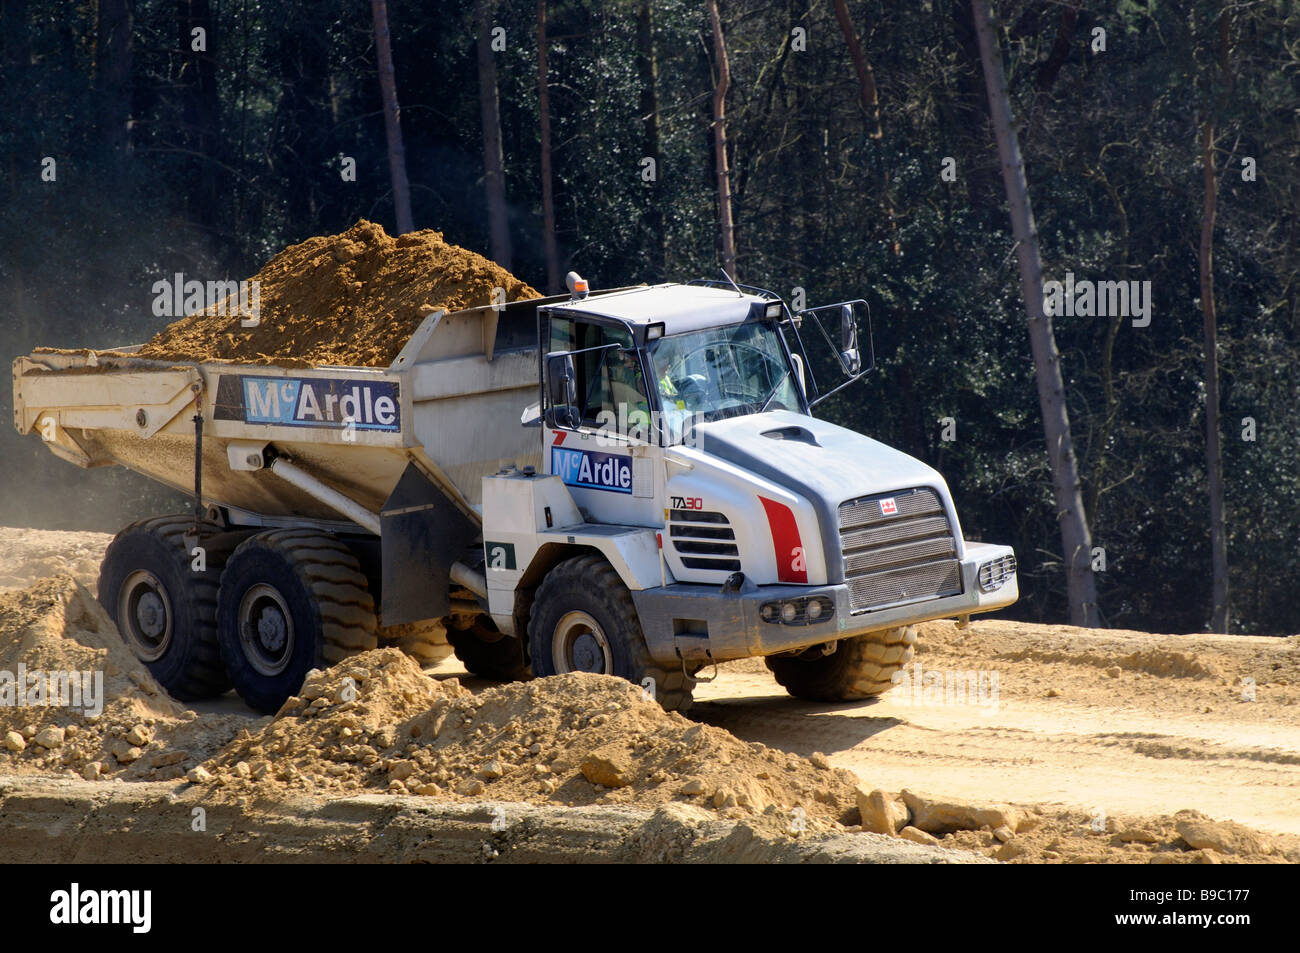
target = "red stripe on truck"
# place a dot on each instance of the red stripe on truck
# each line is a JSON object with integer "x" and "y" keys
{"x": 791, "y": 566}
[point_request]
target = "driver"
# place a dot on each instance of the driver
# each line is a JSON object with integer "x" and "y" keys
{"x": 668, "y": 393}
{"x": 624, "y": 387}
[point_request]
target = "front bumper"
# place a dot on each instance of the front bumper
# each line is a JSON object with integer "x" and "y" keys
{"x": 699, "y": 622}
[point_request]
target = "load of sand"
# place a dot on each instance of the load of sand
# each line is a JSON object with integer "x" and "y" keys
{"x": 352, "y": 299}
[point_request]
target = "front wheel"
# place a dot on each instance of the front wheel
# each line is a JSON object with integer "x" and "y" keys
{"x": 424, "y": 641}
{"x": 583, "y": 620}
{"x": 860, "y": 667}
{"x": 487, "y": 653}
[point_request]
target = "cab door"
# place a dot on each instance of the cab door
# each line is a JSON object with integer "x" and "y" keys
{"x": 609, "y": 458}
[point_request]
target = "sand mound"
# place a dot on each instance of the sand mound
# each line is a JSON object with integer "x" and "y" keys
{"x": 352, "y": 299}
{"x": 1076, "y": 837}
{"x": 29, "y": 555}
{"x": 376, "y": 722}
{"x": 74, "y": 699}
{"x": 1168, "y": 664}
{"x": 1165, "y": 663}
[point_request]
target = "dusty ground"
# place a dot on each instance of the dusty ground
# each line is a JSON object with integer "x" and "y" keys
{"x": 1101, "y": 722}
{"x": 1076, "y": 746}
{"x": 27, "y": 555}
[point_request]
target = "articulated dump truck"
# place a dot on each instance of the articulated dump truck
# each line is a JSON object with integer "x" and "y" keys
{"x": 627, "y": 482}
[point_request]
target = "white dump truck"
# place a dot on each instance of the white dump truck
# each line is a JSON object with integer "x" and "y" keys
{"x": 627, "y": 482}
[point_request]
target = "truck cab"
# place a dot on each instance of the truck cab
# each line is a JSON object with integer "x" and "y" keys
{"x": 679, "y": 443}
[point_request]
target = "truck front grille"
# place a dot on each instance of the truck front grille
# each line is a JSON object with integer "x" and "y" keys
{"x": 898, "y": 547}
{"x": 703, "y": 540}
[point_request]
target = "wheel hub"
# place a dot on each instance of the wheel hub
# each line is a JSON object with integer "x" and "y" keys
{"x": 266, "y": 632}
{"x": 151, "y": 614}
{"x": 271, "y": 629}
{"x": 144, "y": 615}
{"x": 587, "y": 656}
{"x": 580, "y": 645}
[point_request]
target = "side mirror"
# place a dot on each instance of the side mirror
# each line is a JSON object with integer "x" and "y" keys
{"x": 562, "y": 391}
{"x": 849, "y": 356}
{"x": 852, "y": 352}
{"x": 848, "y": 328}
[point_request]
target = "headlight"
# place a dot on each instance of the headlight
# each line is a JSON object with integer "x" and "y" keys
{"x": 805, "y": 610}
{"x": 994, "y": 574}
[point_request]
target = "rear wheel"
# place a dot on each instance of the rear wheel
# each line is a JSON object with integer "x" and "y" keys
{"x": 290, "y": 600}
{"x": 583, "y": 620}
{"x": 424, "y": 641}
{"x": 859, "y": 667}
{"x": 163, "y": 598}
{"x": 487, "y": 652}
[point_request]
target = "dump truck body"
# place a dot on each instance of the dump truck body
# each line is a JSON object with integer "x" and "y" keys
{"x": 356, "y": 428}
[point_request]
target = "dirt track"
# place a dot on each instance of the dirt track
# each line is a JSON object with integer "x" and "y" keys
{"x": 1156, "y": 737}
{"x": 1099, "y": 730}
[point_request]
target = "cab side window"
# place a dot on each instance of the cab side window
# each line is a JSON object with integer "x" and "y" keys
{"x": 608, "y": 376}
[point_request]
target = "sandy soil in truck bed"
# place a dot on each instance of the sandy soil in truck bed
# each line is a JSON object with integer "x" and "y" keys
{"x": 1090, "y": 745}
{"x": 352, "y": 299}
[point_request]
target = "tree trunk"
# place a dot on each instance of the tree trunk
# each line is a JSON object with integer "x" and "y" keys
{"x": 392, "y": 119}
{"x": 1076, "y": 541}
{"x": 871, "y": 110}
{"x": 648, "y": 74}
{"x": 725, "y": 221}
{"x": 1050, "y": 68}
{"x": 494, "y": 174}
{"x": 1213, "y": 446}
{"x": 544, "y": 122}
{"x": 303, "y": 121}
{"x": 1213, "y": 450}
{"x": 866, "y": 78}
{"x": 113, "y": 74}
{"x": 200, "y": 109}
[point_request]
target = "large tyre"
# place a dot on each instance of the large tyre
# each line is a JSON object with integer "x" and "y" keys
{"x": 166, "y": 611}
{"x": 424, "y": 641}
{"x": 583, "y": 620}
{"x": 291, "y": 600}
{"x": 859, "y": 667}
{"x": 487, "y": 653}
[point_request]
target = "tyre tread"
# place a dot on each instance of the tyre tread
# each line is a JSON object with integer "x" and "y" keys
{"x": 861, "y": 667}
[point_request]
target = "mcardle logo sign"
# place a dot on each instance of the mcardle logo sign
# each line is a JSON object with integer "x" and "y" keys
{"x": 592, "y": 470}
{"x": 310, "y": 402}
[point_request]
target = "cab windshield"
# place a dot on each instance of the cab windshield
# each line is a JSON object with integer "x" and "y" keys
{"x": 721, "y": 372}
